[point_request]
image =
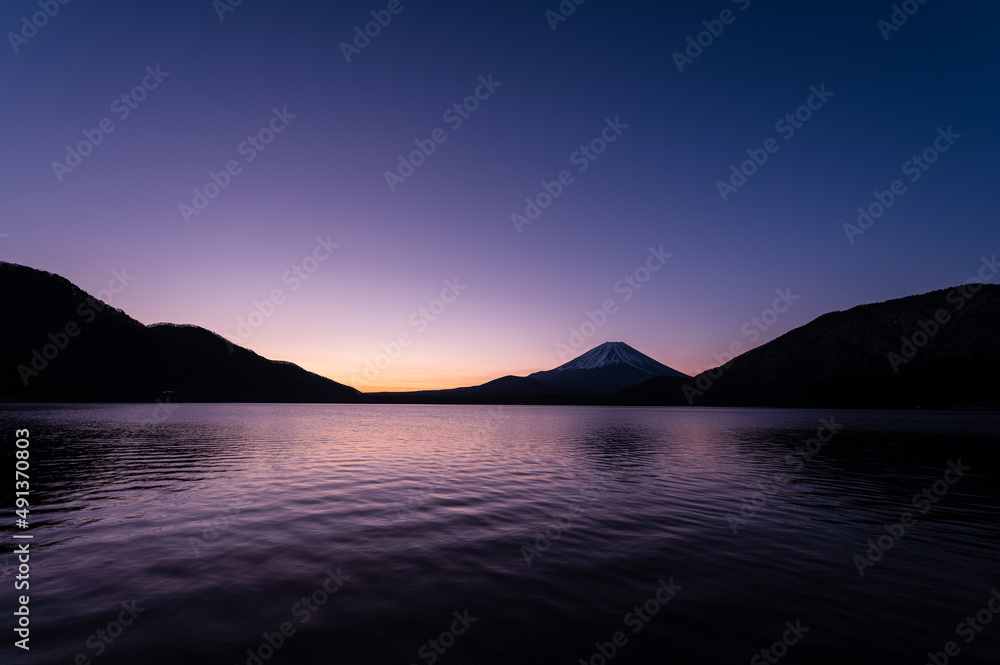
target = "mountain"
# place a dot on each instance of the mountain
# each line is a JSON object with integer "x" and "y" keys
{"x": 603, "y": 370}
{"x": 587, "y": 379}
{"x": 59, "y": 343}
{"x": 936, "y": 350}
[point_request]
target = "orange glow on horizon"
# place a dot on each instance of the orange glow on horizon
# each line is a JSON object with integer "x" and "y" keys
{"x": 409, "y": 375}
{"x": 399, "y": 385}
{"x": 435, "y": 380}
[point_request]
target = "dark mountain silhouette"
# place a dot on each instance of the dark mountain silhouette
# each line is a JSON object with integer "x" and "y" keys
{"x": 505, "y": 390}
{"x": 59, "y": 343}
{"x": 888, "y": 355}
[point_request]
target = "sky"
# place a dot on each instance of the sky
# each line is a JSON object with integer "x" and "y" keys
{"x": 676, "y": 176}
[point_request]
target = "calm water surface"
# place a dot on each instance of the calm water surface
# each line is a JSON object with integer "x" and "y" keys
{"x": 467, "y": 534}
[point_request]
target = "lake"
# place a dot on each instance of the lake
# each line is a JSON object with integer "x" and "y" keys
{"x": 240, "y": 533}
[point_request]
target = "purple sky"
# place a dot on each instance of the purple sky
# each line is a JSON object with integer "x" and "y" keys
{"x": 606, "y": 77}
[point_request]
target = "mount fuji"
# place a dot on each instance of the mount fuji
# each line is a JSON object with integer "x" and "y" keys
{"x": 592, "y": 378}
{"x": 603, "y": 370}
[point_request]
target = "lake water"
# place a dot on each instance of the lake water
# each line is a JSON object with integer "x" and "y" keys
{"x": 654, "y": 535}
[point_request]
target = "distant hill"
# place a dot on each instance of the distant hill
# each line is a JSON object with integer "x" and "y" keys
{"x": 888, "y": 355}
{"x": 59, "y": 343}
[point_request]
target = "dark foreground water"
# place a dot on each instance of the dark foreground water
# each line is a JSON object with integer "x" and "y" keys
{"x": 460, "y": 534}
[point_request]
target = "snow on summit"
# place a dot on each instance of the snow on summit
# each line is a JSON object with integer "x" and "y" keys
{"x": 605, "y": 369}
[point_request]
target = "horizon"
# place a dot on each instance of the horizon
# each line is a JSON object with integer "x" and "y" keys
{"x": 990, "y": 265}
{"x": 663, "y": 175}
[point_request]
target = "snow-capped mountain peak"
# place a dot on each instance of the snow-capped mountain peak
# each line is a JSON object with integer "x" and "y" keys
{"x": 616, "y": 353}
{"x": 605, "y": 369}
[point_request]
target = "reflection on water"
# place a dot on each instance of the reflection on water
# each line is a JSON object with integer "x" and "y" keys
{"x": 465, "y": 534}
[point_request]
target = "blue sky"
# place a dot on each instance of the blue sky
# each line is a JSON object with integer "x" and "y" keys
{"x": 442, "y": 240}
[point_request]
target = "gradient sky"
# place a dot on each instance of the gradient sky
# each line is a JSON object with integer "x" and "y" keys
{"x": 655, "y": 185}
